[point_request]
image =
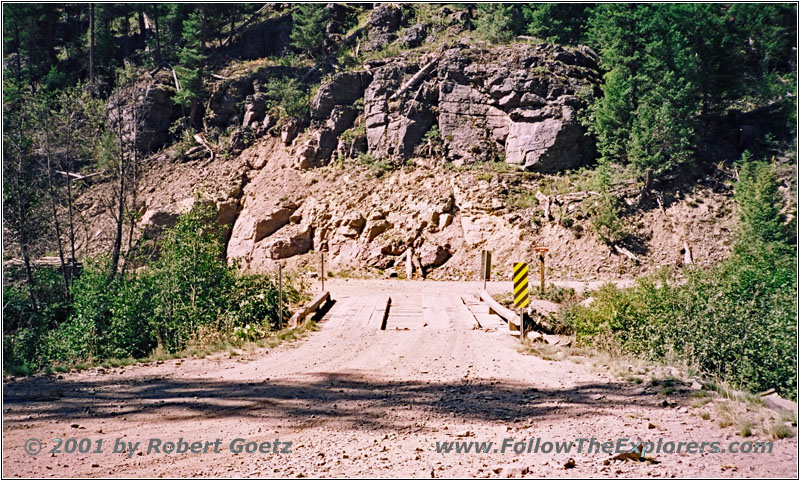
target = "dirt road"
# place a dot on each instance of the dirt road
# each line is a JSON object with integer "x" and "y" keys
{"x": 355, "y": 400}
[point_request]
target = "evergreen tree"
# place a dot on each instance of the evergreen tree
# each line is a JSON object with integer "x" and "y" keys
{"x": 190, "y": 69}
{"x": 308, "y": 33}
{"x": 647, "y": 113}
{"x": 556, "y": 22}
{"x": 760, "y": 219}
{"x": 498, "y": 22}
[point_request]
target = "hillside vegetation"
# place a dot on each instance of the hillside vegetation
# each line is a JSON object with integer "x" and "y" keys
{"x": 153, "y": 150}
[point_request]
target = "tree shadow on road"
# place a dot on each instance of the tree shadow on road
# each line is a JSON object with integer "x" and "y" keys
{"x": 349, "y": 398}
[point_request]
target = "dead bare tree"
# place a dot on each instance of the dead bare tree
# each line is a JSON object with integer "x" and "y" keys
{"x": 127, "y": 121}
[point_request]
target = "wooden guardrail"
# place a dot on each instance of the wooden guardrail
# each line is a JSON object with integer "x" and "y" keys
{"x": 312, "y": 307}
{"x": 540, "y": 312}
{"x": 495, "y": 307}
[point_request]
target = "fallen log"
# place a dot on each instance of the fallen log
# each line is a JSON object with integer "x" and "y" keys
{"x": 300, "y": 316}
{"x": 626, "y": 253}
{"x": 200, "y": 140}
{"x": 77, "y": 176}
{"x": 417, "y": 76}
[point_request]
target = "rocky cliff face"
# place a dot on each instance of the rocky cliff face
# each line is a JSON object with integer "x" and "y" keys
{"x": 286, "y": 189}
{"x": 517, "y": 103}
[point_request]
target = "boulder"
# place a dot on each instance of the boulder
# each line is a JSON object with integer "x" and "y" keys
{"x": 227, "y": 212}
{"x": 384, "y": 20}
{"x": 294, "y": 241}
{"x": 159, "y": 218}
{"x": 550, "y": 145}
{"x": 343, "y": 89}
{"x": 434, "y": 255}
{"x": 352, "y": 225}
{"x": 376, "y": 228}
{"x": 254, "y": 109}
{"x": 376, "y": 258}
{"x": 414, "y": 36}
{"x": 386, "y": 17}
{"x": 341, "y": 118}
{"x": 315, "y": 149}
{"x": 240, "y": 140}
{"x": 444, "y": 221}
{"x": 776, "y": 403}
{"x": 290, "y": 130}
{"x": 270, "y": 222}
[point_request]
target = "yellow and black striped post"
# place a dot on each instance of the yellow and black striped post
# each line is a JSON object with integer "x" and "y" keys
{"x": 521, "y": 294}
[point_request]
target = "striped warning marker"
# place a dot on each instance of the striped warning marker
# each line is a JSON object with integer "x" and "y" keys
{"x": 521, "y": 296}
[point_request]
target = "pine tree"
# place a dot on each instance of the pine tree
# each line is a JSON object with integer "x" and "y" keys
{"x": 190, "y": 69}
{"x": 308, "y": 33}
{"x": 760, "y": 219}
{"x": 498, "y": 22}
{"x": 556, "y": 22}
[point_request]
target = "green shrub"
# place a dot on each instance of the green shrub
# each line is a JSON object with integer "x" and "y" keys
{"x": 606, "y": 220}
{"x": 736, "y": 321}
{"x": 379, "y": 167}
{"x": 255, "y": 301}
{"x": 497, "y": 22}
{"x": 77, "y": 338}
{"x": 286, "y": 97}
{"x": 130, "y": 331}
{"x": 189, "y": 293}
{"x": 190, "y": 279}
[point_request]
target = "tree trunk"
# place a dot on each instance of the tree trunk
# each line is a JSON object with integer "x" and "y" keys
{"x": 120, "y": 207}
{"x": 142, "y": 30}
{"x": 203, "y": 27}
{"x": 24, "y": 245}
{"x": 70, "y": 208}
{"x": 91, "y": 43}
{"x": 158, "y": 35}
{"x": 57, "y": 225}
{"x": 133, "y": 187}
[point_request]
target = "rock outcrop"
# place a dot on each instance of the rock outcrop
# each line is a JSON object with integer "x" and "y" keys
{"x": 146, "y": 110}
{"x": 514, "y": 103}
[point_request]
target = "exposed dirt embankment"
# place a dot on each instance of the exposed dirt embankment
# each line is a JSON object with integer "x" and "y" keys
{"x": 368, "y": 224}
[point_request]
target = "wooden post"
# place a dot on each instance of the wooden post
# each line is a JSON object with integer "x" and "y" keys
{"x": 280, "y": 296}
{"x": 486, "y": 266}
{"x": 322, "y": 269}
{"x": 541, "y": 251}
{"x": 541, "y": 265}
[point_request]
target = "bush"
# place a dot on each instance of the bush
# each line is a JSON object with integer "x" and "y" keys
{"x": 77, "y": 337}
{"x": 497, "y": 22}
{"x": 606, "y": 220}
{"x": 130, "y": 330}
{"x": 736, "y": 321}
{"x": 189, "y": 293}
{"x": 286, "y": 97}
{"x": 379, "y": 167}
{"x": 255, "y": 301}
{"x": 190, "y": 278}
